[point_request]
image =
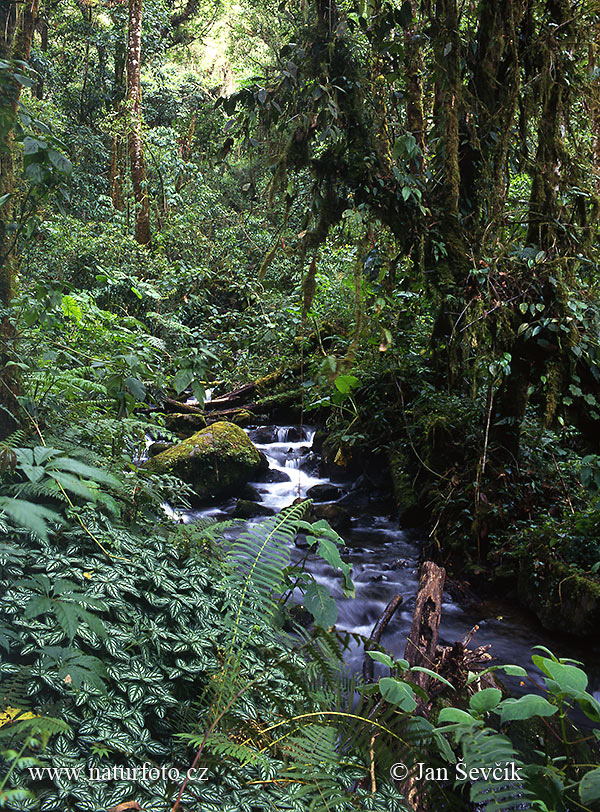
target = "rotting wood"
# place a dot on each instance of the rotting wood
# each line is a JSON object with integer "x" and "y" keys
{"x": 422, "y": 639}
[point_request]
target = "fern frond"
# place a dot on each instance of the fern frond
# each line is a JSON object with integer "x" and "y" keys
{"x": 482, "y": 750}
{"x": 260, "y": 556}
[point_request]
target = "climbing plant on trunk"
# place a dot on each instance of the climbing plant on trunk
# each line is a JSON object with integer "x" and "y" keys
{"x": 134, "y": 98}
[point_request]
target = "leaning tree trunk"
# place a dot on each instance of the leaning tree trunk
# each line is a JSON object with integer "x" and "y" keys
{"x": 16, "y": 33}
{"x": 134, "y": 96}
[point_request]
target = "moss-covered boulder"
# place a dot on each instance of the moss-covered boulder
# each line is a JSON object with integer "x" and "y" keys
{"x": 564, "y": 599}
{"x": 217, "y": 461}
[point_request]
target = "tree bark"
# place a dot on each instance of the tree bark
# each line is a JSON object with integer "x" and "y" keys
{"x": 134, "y": 97}
{"x": 16, "y": 34}
{"x": 423, "y": 635}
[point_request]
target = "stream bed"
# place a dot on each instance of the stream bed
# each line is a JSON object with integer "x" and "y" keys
{"x": 385, "y": 561}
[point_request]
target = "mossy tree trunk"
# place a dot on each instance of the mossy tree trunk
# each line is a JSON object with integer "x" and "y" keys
{"x": 17, "y": 24}
{"x": 134, "y": 97}
{"x": 550, "y": 171}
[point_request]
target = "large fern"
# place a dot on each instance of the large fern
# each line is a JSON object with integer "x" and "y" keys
{"x": 260, "y": 556}
{"x": 482, "y": 750}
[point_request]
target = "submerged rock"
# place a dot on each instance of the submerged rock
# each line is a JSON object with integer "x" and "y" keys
{"x": 245, "y": 509}
{"x": 337, "y": 516}
{"x": 274, "y": 475}
{"x": 217, "y": 461}
{"x": 324, "y": 492}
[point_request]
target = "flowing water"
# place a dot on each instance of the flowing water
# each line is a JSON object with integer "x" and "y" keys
{"x": 385, "y": 561}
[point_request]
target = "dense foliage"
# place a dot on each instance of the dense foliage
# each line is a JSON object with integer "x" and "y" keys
{"x": 385, "y": 214}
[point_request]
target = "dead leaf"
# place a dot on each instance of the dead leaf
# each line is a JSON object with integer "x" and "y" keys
{"x": 125, "y": 805}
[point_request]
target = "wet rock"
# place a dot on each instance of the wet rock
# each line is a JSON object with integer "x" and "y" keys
{"x": 399, "y": 564}
{"x": 338, "y": 517}
{"x": 319, "y": 439}
{"x": 242, "y": 418}
{"x": 274, "y": 475}
{"x": 245, "y": 509}
{"x": 299, "y": 616}
{"x": 301, "y": 542}
{"x": 263, "y": 435}
{"x": 250, "y": 493}
{"x": 324, "y": 492}
{"x": 291, "y": 434}
{"x": 216, "y": 461}
{"x": 158, "y": 448}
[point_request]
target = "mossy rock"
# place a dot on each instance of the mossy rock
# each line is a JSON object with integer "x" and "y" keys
{"x": 563, "y": 599}
{"x": 245, "y": 509}
{"x": 243, "y": 418}
{"x": 184, "y": 423}
{"x": 216, "y": 461}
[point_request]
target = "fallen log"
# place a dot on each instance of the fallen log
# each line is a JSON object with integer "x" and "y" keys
{"x": 255, "y": 390}
{"x": 375, "y": 637}
{"x": 175, "y": 406}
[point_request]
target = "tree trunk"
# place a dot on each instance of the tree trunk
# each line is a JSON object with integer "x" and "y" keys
{"x": 16, "y": 33}
{"x": 424, "y": 630}
{"x": 134, "y": 97}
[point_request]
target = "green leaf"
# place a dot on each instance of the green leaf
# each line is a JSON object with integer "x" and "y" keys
{"x": 589, "y": 705}
{"x": 486, "y": 700}
{"x": 346, "y": 383}
{"x": 380, "y": 657}
{"x": 95, "y": 624}
{"x": 60, "y": 162}
{"x": 4, "y": 198}
{"x": 35, "y": 173}
{"x": 398, "y": 693}
{"x": 78, "y": 467}
{"x": 569, "y": 678}
{"x": 457, "y": 716}
{"x": 433, "y": 675}
{"x": 136, "y": 387}
{"x": 29, "y": 515}
{"x": 37, "y": 605}
{"x": 198, "y": 392}
{"x": 321, "y": 605}
{"x": 71, "y": 309}
{"x": 135, "y": 692}
{"x": 85, "y": 489}
{"x": 589, "y": 786}
{"x": 525, "y": 707}
{"x": 514, "y": 670}
{"x": 329, "y": 551}
{"x": 32, "y": 145}
{"x": 183, "y": 379}
{"x": 68, "y": 617}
